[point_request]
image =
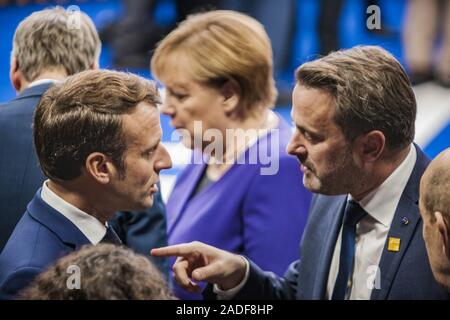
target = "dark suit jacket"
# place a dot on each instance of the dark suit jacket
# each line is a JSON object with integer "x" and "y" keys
{"x": 405, "y": 274}
{"x": 20, "y": 177}
{"x": 42, "y": 236}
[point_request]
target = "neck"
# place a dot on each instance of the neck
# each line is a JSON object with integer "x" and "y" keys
{"x": 56, "y": 75}
{"x": 239, "y": 134}
{"x": 81, "y": 198}
{"x": 53, "y": 75}
{"x": 384, "y": 167}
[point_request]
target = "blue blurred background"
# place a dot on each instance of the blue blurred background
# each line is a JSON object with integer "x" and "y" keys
{"x": 433, "y": 119}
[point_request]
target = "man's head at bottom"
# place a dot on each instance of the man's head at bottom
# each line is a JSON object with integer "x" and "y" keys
{"x": 104, "y": 272}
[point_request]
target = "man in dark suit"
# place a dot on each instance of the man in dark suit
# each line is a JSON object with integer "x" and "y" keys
{"x": 48, "y": 47}
{"x": 354, "y": 112}
{"x": 98, "y": 140}
{"x": 434, "y": 207}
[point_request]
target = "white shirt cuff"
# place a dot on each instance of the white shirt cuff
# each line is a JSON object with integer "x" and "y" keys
{"x": 229, "y": 294}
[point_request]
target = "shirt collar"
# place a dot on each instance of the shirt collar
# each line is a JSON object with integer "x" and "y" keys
{"x": 382, "y": 202}
{"x": 93, "y": 229}
{"x": 41, "y": 81}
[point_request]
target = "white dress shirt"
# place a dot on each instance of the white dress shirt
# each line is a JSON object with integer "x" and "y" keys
{"x": 372, "y": 231}
{"x": 93, "y": 229}
{"x": 41, "y": 81}
{"x": 371, "y": 234}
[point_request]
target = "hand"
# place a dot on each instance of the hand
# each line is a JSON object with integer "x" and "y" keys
{"x": 200, "y": 262}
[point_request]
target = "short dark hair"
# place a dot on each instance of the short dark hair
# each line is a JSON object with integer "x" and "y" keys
{"x": 83, "y": 115}
{"x": 106, "y": 272}
{"x": 371, "y": 91}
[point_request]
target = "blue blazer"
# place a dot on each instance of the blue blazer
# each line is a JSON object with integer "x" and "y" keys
{"x": 405, "y": 274}
{"x": 42, "y": 236}
{"x": 20, "y": 177}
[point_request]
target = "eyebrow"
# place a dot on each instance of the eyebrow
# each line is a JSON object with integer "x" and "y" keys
{"x": 301, "y": 127}
{"x": 153, "y": 148}
{"x": 176, "y": 86}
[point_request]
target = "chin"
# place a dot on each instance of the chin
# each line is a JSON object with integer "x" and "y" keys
{"x": 148, "y": 203}
{"x": 312, "y": 185}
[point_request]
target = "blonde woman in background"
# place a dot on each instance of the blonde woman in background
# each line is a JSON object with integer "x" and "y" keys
{"x": 217, "y": 70}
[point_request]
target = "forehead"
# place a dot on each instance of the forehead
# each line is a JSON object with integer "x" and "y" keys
{"x": 176, "y": 70}
{"x": 313, "y": 108}
{"x": 142, "y": 126}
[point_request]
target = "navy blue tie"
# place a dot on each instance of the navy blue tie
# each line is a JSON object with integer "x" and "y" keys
{"x": 352, "y": 215}
{"x": 111, "y": 236}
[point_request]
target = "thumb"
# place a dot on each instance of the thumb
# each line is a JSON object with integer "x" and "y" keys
{"x": 206, "y": 273}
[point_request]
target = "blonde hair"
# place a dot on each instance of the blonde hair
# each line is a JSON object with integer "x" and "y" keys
{"x": 46, "y": 40}
{"x": 222, "y": 46}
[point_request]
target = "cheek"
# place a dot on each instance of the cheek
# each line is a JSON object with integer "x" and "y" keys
{"x": 142, "y": 172}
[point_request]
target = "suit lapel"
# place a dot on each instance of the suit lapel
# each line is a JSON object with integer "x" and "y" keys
{"x": 403, "y": 227}
{"x": 64, "y": 229}
{"x": 334, "y": 212}
{"x": 182, "y": 193}
{"x": 390, "y": 260}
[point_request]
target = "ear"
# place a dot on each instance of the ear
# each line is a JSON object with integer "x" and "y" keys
{"x": 15, "y": 75}
{"x": 370, "y": 146}
{"x": 95, "y": 65}
{"x": 444, "y": 231}
{"x": 231, "y": 94}
{"x": 98, "y": 166}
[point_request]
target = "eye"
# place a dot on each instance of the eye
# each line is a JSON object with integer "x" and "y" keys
{"x": 307, "y": 136}
{"x": 149, "y": 153}
{"x": 178, "y": 95}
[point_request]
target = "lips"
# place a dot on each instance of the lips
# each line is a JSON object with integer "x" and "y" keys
{"x": 304, "y": 168}
{"x": 154, "y": 188}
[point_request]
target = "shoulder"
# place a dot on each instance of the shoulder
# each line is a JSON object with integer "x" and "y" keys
{"x": 31, "y": 245}
{"x": 17, "y": 280}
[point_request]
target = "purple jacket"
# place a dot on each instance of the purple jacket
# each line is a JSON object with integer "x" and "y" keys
{"x": 259, "y": 216}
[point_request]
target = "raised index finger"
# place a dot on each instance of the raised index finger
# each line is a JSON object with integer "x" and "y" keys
{"x": 178, "y": 250}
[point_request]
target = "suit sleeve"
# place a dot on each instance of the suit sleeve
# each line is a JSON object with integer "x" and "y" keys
{"x": 263, "y": 285}
{"x": 274, "y": 216}
{"x": 17, "y": 281}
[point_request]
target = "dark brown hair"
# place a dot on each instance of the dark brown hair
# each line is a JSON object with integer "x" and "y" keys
{"x": 83, "y": 115}
{"x": 370, "y": 89}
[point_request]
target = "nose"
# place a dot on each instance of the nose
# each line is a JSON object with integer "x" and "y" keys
{"x": 167, "y": 108}
{"x": 296, "y": 146}
{"x": 163, "y": 160}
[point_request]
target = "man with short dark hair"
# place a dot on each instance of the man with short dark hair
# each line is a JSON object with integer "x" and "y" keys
{"x": 98, "y": 140}
{"x": 354, "y": 112}
{"x": 435, "y": 209}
